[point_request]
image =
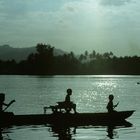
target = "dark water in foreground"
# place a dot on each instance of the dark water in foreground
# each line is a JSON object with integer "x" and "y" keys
{"x": 90, "y": 94}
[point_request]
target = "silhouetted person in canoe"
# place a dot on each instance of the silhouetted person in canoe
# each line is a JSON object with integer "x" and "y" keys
{"x": 110, "y": 107}
{"x": 2, "y": 99}
{"x": 69, "y": 104}
{"x": 69, "y": 93}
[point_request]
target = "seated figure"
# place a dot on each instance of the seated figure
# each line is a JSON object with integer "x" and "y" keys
{"x": 110, "y": 106}
{"x": 67, "y": 104}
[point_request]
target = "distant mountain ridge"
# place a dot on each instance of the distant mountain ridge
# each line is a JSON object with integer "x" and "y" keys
{"x": 8, "y": 53}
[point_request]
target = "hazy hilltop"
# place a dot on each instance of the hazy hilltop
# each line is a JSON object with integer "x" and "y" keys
{"x": 7, "y": 52}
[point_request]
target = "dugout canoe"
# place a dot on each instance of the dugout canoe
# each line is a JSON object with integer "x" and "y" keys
{"x": 78, "y": 119}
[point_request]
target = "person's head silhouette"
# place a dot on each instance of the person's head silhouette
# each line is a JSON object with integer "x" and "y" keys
{"x": 69, "y": 91}
{"x": 111, "y": 97}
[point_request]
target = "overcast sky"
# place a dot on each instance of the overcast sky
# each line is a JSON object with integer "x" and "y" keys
{"x": 72, "y": 25}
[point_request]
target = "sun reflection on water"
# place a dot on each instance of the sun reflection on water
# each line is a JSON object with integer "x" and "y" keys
{"x": 95, "y": 97}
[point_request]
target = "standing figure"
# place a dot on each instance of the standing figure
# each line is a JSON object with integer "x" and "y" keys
{"x": 110, "y": 107}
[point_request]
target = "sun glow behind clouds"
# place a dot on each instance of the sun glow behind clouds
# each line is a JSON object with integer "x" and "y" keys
{"x": 100, "y": 25}
{"x": 90, "y": 25}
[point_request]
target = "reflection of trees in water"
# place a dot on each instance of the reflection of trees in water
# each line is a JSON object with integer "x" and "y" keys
{"x": 63, "y": 133}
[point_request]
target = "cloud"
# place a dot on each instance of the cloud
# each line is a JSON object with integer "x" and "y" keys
{"x": 13, "y": 9}
{"x": 81, "y": 24}
{"x": 114, "y": 2}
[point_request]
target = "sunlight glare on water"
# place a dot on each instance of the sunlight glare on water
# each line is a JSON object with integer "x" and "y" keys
{"x": 95, "y": 96}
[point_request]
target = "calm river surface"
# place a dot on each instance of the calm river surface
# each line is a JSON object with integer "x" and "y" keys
{"x": 90, "y": 93}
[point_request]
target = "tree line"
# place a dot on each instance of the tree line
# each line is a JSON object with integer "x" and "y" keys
{"x": 43, "y": 62}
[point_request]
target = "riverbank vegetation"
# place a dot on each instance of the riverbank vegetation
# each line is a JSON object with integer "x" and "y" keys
{"x": 43, "y": 62}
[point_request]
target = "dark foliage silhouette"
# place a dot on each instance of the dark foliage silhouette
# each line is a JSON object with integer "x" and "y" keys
{"x": 43, "y": 62}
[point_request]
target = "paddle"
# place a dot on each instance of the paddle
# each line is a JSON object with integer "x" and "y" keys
{"x": 116, "y": 105}
{"x": 9, "y": 104}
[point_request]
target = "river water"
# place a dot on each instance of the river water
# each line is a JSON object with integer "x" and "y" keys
{"x": 90, "y": 93}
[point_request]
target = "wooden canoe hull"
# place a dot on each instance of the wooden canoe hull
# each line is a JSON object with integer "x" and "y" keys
{"x": 67, "y": 119}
